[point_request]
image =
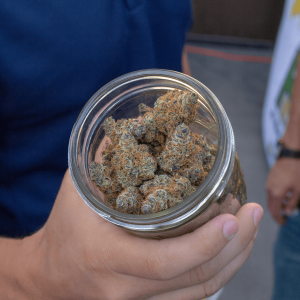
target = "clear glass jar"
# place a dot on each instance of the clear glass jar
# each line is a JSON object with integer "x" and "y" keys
{"x": 223, "y": 190}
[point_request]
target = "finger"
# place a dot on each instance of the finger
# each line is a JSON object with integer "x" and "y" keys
{"x": 211, "y": 286}
{"x": 292, "y": 203}
{"x": 249, "y": 217}
{"x": 242, "y": 240}
{"x": 154, "y": 259}
{"x": 275, "y": 206}
{"x": 169, "y": 258}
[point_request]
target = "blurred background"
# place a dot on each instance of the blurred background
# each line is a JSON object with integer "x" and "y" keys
{"x": 229, "y": 49}
{"x": 254, "y": 19}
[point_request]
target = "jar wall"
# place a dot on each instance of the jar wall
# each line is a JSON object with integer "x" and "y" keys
{"x": 233, "y": 197}
{"x": 235, "y": 193}
{"x": 114, "y": 99}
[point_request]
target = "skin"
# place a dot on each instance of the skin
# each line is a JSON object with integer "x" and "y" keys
{"x": 79, "y": 255}
{"x": 185, "y": 63}
{"x": 283, "y": 184}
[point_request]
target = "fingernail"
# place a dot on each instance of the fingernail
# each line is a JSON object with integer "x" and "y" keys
{"x": 258, "y": 213}
{"x": 255, "y": 234}
{"x": 230, "y": 228}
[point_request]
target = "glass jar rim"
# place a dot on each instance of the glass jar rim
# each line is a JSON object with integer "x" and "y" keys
{"x": 210, "y": 189}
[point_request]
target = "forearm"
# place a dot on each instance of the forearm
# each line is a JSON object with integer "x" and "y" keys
{"x": 185, "y": 63}
{"x": 19, "y": 272}
{"x": 291, "y": 138}
{"x": 9, "y": 252}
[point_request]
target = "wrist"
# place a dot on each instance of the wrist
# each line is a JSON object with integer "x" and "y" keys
{"x": 9, "y": 250}
{"x": 291, "y": 137}
{"x": 291, "y": 142}
{"x": 22, "y": 275}
{"x": 284, "y": 151}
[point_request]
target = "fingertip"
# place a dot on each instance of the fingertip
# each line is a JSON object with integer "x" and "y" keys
{"x": 257, "y": 215}
{"x": 225, "y": 223}
{"x": 255, "y": 234}
{"x": 253, "y": 205}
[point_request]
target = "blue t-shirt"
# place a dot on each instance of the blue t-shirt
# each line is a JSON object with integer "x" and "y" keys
{"x": 54, "y": 55}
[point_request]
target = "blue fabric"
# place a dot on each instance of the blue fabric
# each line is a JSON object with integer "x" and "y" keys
{"x": 54, "y": 55}
{"x": 287, "y": 261}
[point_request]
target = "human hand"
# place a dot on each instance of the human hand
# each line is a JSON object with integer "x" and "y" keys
{"x": 79, "y": 255}
{"x": 283, "y": 187}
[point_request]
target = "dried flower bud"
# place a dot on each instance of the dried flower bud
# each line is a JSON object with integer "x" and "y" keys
{"x": 174, "y": 201}
{"x": 145, "y": 188}
{"x": 138, "y": 130}
{"x": 179, "y": 149}
{"x": 148, "y": 122}
{"x": 164, "y": 180}
{"x": 159, "y": 182}
{"x": 173, "y": 108}
{"x": 196, "y": 174}
{"x": 143, "y": 109}
{"x": 147, "y": 166}
{"x": 100, "y": 174}
{"x": 148, "y": 207}
{"x": 129, "y": 200}
{"x": 132, "y": 162}
{"x": 155, "y": 202}
{"x": 105, "y": 180}
{"x": 109, "y": 126}
{"x": 155, "y": 163}
{"x": 184, "y": 186}
{"x": 207, "y": 167}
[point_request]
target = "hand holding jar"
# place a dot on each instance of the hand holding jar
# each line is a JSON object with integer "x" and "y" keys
{"x": 189, "y": 250}
{"x": 78, "y": 255}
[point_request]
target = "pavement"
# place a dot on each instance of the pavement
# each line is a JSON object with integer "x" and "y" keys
{"x": 237, "y": 74}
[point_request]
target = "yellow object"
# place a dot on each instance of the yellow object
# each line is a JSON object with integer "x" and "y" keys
{"x": 296, "y": 8}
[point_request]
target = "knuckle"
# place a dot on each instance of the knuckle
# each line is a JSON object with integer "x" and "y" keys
{"x": 116, "y": 294}
{"x": 249, "y": 248}
{"x": 244, "y": 255}
{"x": 199, "y": 275}
{"x": 94, "y": 263}
{"x": 276, "y": 193}
{"x": 211, "y": 287}
{"x": 205, "y": 272}
{"x": 86, "y": 257}
{"x": 248, "y": 244}
{"x": 158, "y": 266}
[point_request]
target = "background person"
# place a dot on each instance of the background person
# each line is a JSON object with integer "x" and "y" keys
{"x": 281, "y": 120}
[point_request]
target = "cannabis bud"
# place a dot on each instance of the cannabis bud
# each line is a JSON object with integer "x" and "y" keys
{"x": 154, "y": 163}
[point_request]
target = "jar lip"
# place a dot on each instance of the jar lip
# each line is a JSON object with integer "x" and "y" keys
{"x": 180, "y": 214}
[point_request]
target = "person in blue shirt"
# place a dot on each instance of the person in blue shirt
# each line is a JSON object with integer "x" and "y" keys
{"x": 54, "y": 55}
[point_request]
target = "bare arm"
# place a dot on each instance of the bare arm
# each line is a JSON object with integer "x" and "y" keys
{"x": 185, "y": 63}
{"x": 19, "y": 263}
{"x": 291, "y": 138}
{"x": 284, "y": 178}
